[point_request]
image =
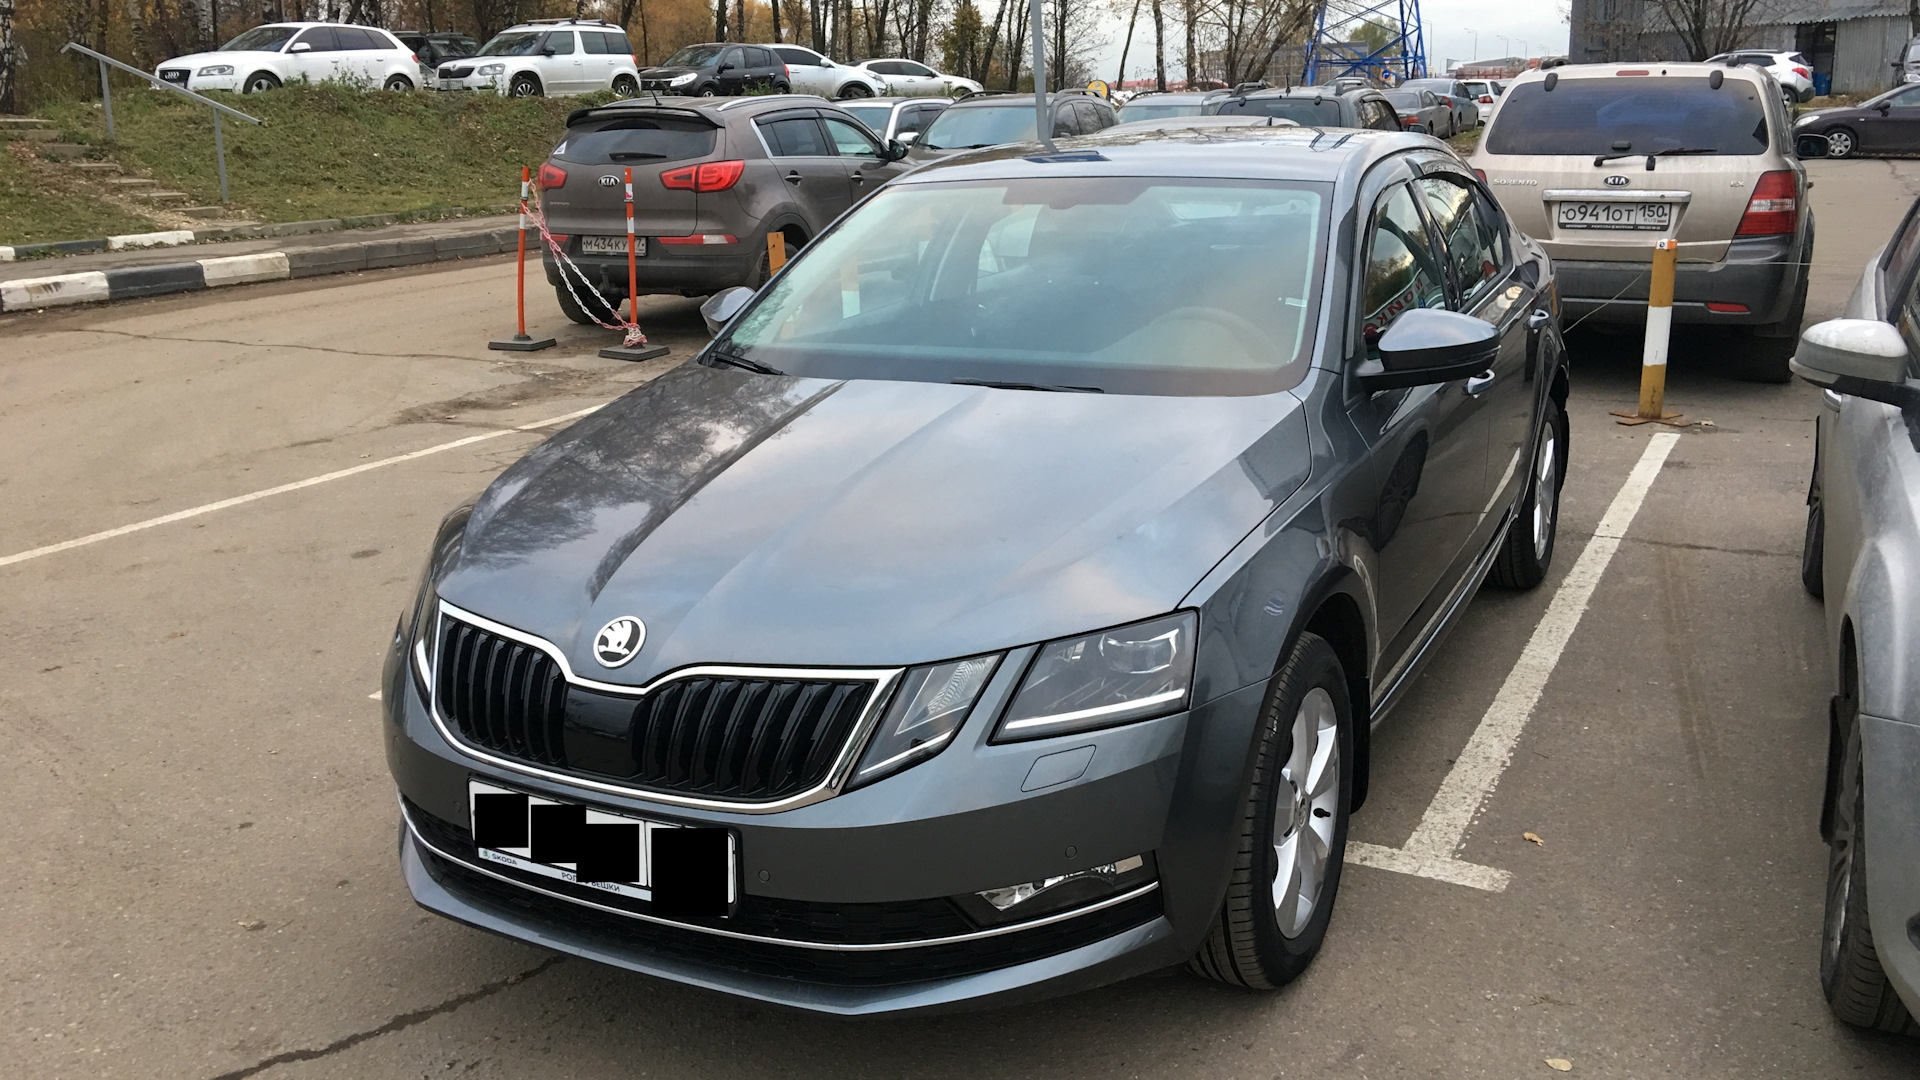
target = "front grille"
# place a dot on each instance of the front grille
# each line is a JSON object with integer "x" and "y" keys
{"x": 174, "y": 75}
{"x": 503, "y": 696}
{"x": 886, "y": 967}
{"x": 728, "y": 737}
{"x": 456, "y": 72}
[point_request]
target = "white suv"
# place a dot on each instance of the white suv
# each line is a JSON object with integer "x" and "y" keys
{"x": 269, "y": 56}
{"x": 1789, "y": 69}
{"x": 910, "y": 78}
{"x": 548, "y": 58}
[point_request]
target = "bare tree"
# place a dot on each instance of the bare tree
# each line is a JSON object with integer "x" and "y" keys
{"x": 1159, "y": 49}
{"x": 6, "y": 58}
{"x": 1708, "y": 27}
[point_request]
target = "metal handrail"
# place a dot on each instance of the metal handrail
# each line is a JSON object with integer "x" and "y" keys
{"x": 106, "y": 100}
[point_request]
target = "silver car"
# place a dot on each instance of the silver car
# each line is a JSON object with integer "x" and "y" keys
{"x": 811, "y": 73}
{"x": 1862, "y": 545}
{"x": 1600, "y": 161}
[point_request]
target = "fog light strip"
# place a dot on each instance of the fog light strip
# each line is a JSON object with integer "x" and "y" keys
{"x": 1430, "y": 851}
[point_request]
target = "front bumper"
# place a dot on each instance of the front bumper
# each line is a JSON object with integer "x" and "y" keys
{"x": 956, "y": 824}
{"x": 1760, "y": 274}
{"x": 664, "y": 270}
{"x": 1891, "y": 760}
{"x": 491, "y": 83}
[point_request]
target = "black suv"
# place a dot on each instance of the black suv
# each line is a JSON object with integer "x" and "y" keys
{"x": 716, "y": 69}
{"x": 1311, "y": 106}
{"x": 990, "y": 119}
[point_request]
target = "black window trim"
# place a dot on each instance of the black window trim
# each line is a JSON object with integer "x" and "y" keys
{"x": 1495, "y": 217}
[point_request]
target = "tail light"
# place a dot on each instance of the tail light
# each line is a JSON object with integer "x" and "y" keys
{"x": 415, "y": 57}
{"x": 1482, "y": 174}
{"x": 1774, "y": 208}
{"x": 786, "y": 73}
{"x": 1803, "y": 73}
{"x": 706, "y": 176}
{"x": 1486, "y": 99}
{"x": 703, "y": 239}
{"x": 551, "y": 177}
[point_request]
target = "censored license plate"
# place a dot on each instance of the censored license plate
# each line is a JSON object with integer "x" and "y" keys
{"x": 611, "y": 245}
{"x": 681, "y": 871}
{"x": 1616, "y": 215}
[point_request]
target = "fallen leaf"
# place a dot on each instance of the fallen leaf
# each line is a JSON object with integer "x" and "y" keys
{"x": 252, "y": 924}
{"x": 1559, "y": 1064}
{"x": 1535, "y": 837}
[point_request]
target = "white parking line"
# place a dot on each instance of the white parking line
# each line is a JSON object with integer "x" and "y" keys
{"x": 1429, "y": 852}
{"x": 238, "y": 500}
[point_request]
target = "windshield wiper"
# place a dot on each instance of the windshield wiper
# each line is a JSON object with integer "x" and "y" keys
{"x": 720, "y": 354}
{"x": 634, "y": 155}
{"x": 997, "y": 385}
{"x": 1671, "y": 151}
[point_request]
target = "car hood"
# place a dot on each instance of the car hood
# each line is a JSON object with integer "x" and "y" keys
{"x": 778, "y": 520}
{"x": 1818, "y": 114}
{"x": 202, "y": 59}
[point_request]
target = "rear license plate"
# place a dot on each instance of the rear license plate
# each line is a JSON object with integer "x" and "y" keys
{"x": 611, "y": 245}
{"x": 1616, "y": 215}
{"x": 679, "y": 870}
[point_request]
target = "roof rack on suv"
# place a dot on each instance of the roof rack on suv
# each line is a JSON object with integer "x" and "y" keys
{"x": 557, "y": 22}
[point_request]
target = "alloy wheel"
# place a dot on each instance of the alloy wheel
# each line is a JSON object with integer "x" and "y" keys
{"x": 1546, "y": 489}
{"x": 1839, "y": 876}
{"x": 1839, "y": 143}
{"x": 1305, "y": 810}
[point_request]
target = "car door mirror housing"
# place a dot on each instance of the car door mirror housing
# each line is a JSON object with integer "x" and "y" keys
{"x": 897, "y": 148}
{"x": 1863, "y": 357}
{"x": 1431, "y": 345}
{"x": 721, "y": 307}
{"x": 722, "y": 67}
{"x": 906, "y": 139}
{"x": 1810, "y": 146}
{"x": 299, "y": 46}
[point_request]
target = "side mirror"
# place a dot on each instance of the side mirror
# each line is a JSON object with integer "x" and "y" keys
{"x": 907, "y": 138}
{"x": 1810, "y": 146}
{"x": 896, "y": 149}
{"x": 299, "y": 46}
{"x": 1883, "y": 108}
{"x": 1862, "y": 357}
{"x": 1431, "y": 345}
{"x": 722, "y": 306}
{"x": 722, "y": 67}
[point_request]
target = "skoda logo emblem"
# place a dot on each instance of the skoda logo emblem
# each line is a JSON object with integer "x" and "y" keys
{"x": 609, "y": 181}
{"x": 619, "y": 641}
{"x": 1616, "y": 180}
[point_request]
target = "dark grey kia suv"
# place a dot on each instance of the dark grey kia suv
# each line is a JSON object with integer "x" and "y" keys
{"x": 711, "y": 178}
{"x": 979, "y": 616}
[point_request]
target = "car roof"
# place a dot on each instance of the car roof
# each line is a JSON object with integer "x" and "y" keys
{"x": 895, "y": 101}
{"x": 1290, "y": 152}
{"x": 1172, "y": 95}
{"x": 716, "y": 110}
{"x": 1231, "y": 120}
{"x": 1654, "y": 68}
{"x": 995, "y": 99}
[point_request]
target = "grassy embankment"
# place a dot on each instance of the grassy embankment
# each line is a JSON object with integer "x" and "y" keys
{"x": 323, "y": 152}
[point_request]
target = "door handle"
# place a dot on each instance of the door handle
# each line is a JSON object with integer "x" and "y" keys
{"x": 793, "y": 178}
{"x": 1480, "y": 382}
{"x": 1539, "y": 319}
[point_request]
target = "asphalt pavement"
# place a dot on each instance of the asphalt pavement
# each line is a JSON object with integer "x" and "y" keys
{"x": 202, "y": 829}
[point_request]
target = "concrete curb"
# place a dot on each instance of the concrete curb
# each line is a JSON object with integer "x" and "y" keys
{"x": 238, "y": 232}
{"x": 22, "y": 294}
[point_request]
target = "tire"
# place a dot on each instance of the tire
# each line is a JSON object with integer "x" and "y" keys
{"x": 260, "y": 82}
{"x": 855, "y": 90}
{"x": 1851, "y": 977}
{"x": 398, "y": 84}
{"x": 1773, "y": 344}
{"x": 1527, "y": 550}
{"x": 525, "y": 85}
{"x": 624, "y": 86}
{"x": 1842, "y": 143}
{"x": 1787, "y": 95}
{"x": 577, "y": 314}
{"x": 1263, "y": 936}
{"x": 1813, "y": 548}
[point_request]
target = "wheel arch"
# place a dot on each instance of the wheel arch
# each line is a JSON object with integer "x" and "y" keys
{"x": 1337, "y": 619}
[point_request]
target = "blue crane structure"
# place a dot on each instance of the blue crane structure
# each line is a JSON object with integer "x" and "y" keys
{"x": 1331, "y": 52}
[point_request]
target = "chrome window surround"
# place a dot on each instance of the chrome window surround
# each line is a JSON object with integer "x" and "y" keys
{"x": 883, "y": 681}
{"x": 795, "y": 943}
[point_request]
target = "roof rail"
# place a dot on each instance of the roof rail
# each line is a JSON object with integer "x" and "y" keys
{"x": 558, "y": 22}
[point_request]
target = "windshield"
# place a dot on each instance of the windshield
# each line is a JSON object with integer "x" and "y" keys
{"x": 261, "y": 39}
{"x": 1157, "y": 112}
{"x": 1038, "y": 281}
{"x": 1635, "y": 114}
{"x": 638, "y": 138}
{"x": 516, "y": 43}
{"x": 874, "y": 116}
{"x": 1322, "y": 112}
{"x": 961, "y": 129}
{"x": 694, "y": 56}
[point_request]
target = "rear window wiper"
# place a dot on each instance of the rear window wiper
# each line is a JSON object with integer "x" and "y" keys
{"x": 721, "y": 355}
{"x": 633, "y": 155}
{"x": 1671, "y": 151}
{"x": 998, "y": 385}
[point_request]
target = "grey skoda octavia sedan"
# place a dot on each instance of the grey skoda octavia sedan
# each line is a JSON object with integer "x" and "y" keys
{"x": 1000, "y": 605}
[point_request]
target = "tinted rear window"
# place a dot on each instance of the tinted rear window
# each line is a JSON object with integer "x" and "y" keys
{"x": 1322, "y": 113}
{"x": 636, "y": 138}
{"x": 1129, "y": 113}
{"x": 1403, "y": 99}
{"x": 1632, "y": 114}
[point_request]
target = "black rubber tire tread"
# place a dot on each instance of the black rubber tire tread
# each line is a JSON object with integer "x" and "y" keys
{"x": 1515, "y": 567}
{"x": 398, "y": 84}
{"x": 631, "y": 88}
{"x": 273, "y": 82}
{"x": 1855, "y": 983}
{"x": 1239, "y": 946}
{"x": 523, "y": 79}
{"x": 574, "y": 312}
{"x": 1813, "y": 547}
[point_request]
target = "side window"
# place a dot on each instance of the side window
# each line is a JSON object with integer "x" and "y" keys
{"x": 1906, "y": 99}
{"x": 1096, "y": 116}
{"x": 850, "y": 141}
{"x": 1402, "y": 271}
{"x": 1473, "y": 254}
{"x": 916, "y": 70}
{"x": 1384, "y": 116}
{"x": 321, "y": 39}
{"x": 797, "y": 136}
{"x": 761, "y": 58}
{"x": 914, "y": 119}
{"x": 798, "y": 57}
{"x": 560, "y": 41}
{"x": 1086, "y": 117}
{"x": 595, "y": 44}
{"x": 731, "y": 58}
{"x": 1899, "y": 258}
{"x": 885, "y": 67}
{"x": 619, "y": 45}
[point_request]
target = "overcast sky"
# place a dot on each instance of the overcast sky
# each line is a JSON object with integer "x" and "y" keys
{"x": 1451, "y": 27}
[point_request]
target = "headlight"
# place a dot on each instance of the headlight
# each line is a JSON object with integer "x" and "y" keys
{"x": 491, "y": 69}
{"x": 421, "y": 638}
{"x": 1098, "y": 680}
{"x": 216, "y": 69}
{"x": 682, "y": 80}
{"x": 930, "y": 705}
